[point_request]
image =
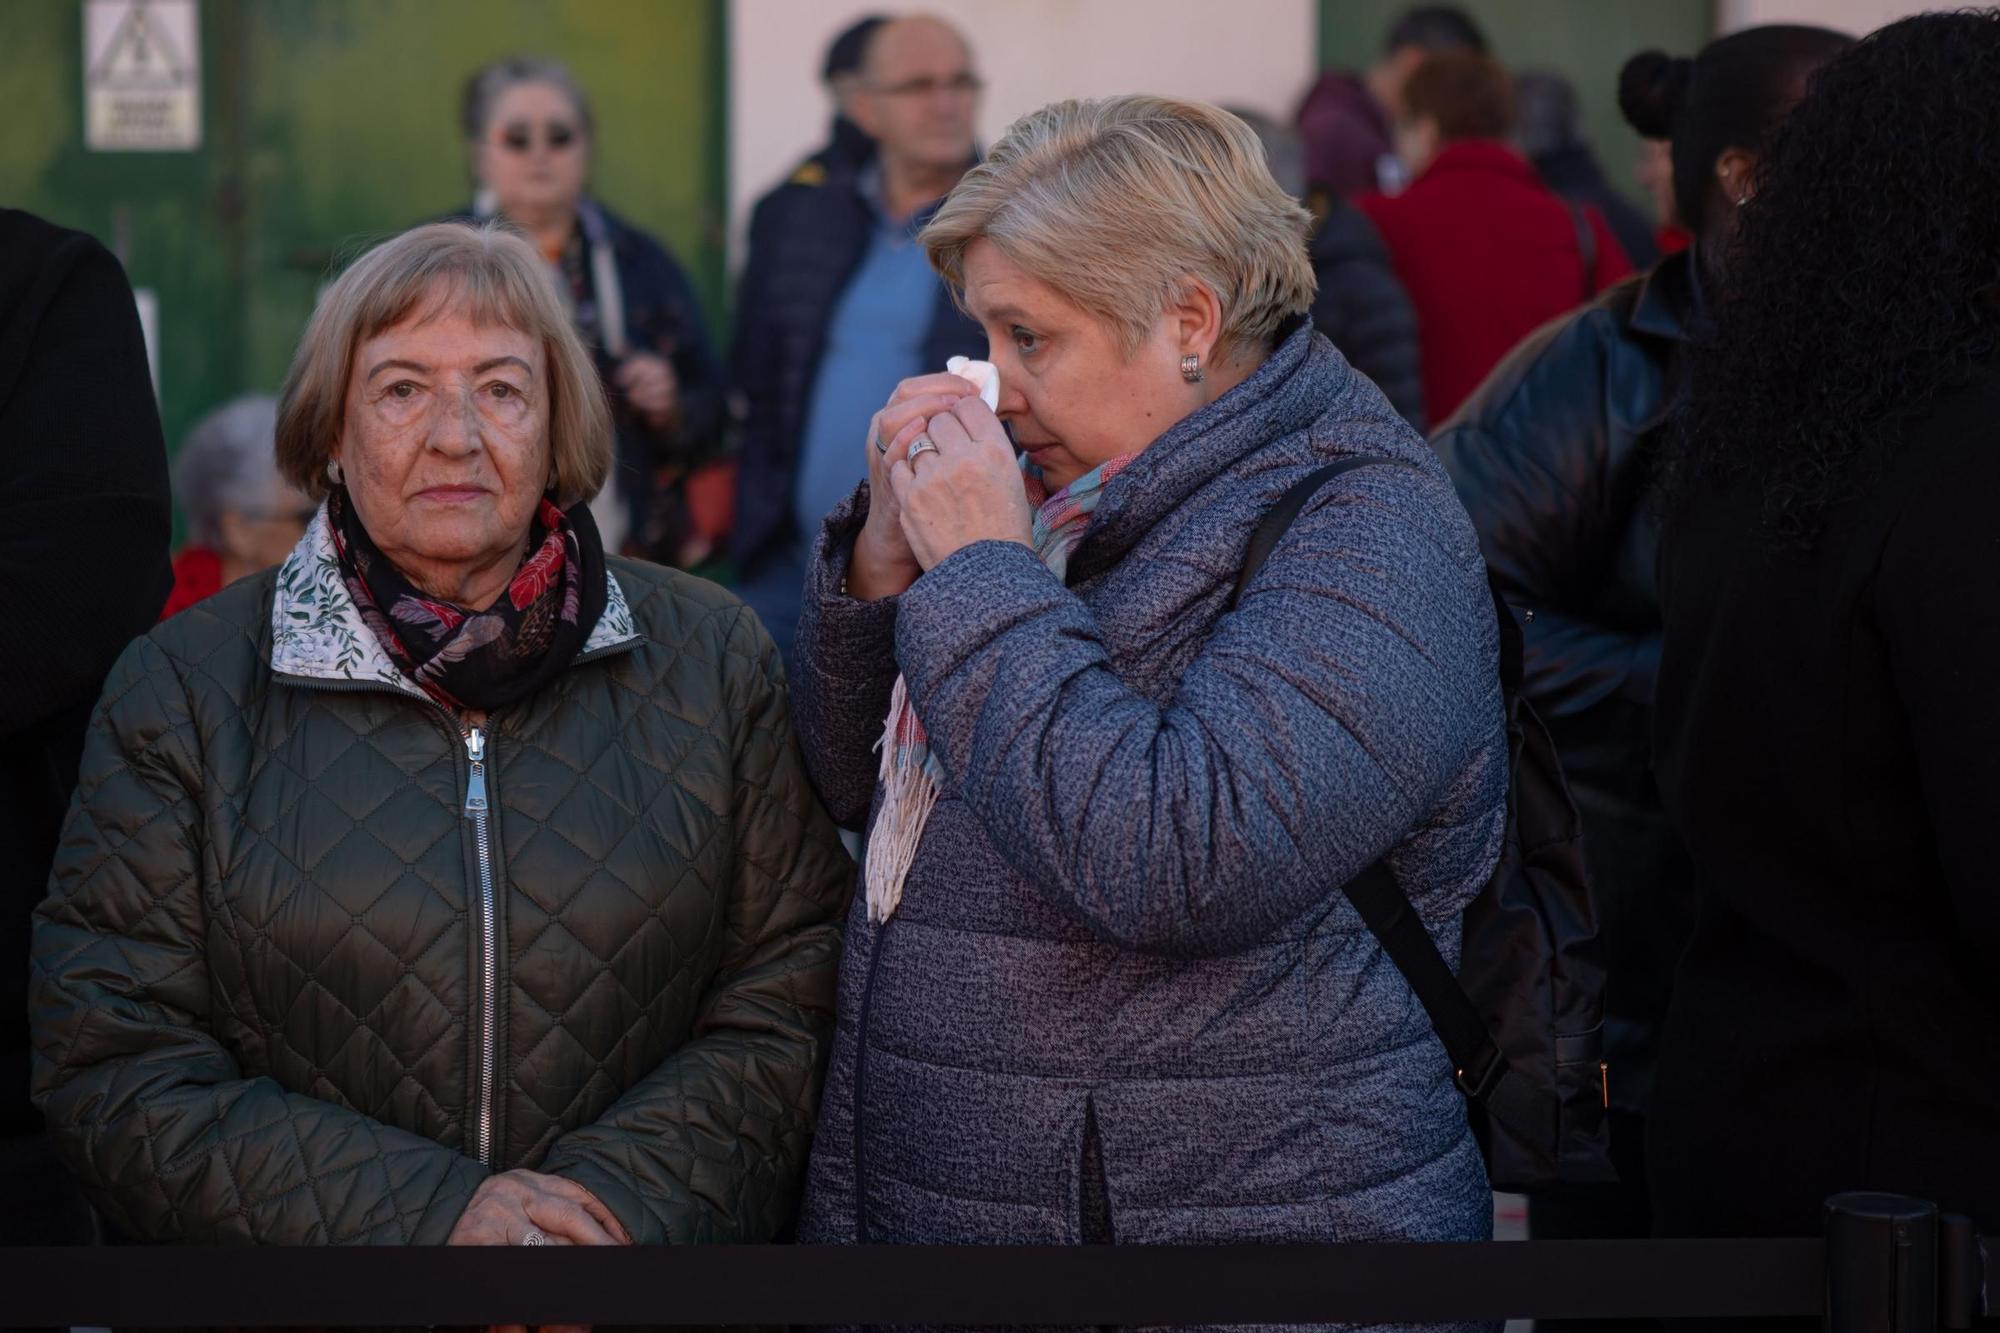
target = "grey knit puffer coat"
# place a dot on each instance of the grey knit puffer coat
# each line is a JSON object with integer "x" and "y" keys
{"x": 1123, "y": 998}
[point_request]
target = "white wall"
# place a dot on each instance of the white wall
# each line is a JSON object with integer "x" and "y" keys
{"x": 1855, "y": 16}
{"x": 1254, "y": 53}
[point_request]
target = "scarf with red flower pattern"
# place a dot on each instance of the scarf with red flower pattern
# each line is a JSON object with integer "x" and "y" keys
{"x": 481, "y": 660}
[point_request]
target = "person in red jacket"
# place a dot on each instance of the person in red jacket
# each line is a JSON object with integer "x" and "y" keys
{"x": 1487, "y": 251}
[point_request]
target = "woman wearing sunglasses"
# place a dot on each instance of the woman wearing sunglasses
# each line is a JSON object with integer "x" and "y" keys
{"x": 529, "y": 133}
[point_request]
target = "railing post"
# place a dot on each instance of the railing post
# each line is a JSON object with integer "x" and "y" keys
{"x": 1881, "y": 1264}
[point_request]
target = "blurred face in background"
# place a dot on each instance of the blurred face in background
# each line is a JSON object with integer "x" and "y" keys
{"x": 263, "y": 534}
{"x": 918, "y": 95}
{"x": 1387, "y": 76}
{"x": 1416, "y": 141}
{"x": 1655, "y": 171}
{"x": 534, "y": 156}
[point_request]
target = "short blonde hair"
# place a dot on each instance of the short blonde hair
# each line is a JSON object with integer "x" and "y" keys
{"x": 489, "y": 273}
{"x": 1117, "y": 202}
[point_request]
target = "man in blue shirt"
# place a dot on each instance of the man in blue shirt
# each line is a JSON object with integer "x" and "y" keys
{"x": 837, "y": 304}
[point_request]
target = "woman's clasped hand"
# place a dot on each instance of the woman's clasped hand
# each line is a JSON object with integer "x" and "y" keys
{"x": 507, "y": 1208}
{"x": 965, "y": 489}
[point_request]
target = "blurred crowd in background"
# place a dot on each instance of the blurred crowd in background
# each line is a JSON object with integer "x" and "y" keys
{"x": 1458, "y": 207}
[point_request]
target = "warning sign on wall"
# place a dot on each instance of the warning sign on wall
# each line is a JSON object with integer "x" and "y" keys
{"x": 141, "y": 75}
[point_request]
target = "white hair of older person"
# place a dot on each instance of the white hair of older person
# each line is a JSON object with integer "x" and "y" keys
{"x": 487, "y": 272}
{"x": 1117, "y": 202}
{"x": 227, "y": 465}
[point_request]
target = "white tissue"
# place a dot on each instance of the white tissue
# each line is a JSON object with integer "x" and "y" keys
{"x": 985, "y": 377}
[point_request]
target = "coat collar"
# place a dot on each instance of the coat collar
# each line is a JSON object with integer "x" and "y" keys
{"x": 1285, "y": 395}
{"x": 1669, "y": 304}
{"x": 317, "y": 632}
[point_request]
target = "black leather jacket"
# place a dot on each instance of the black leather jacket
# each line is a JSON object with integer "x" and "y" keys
{"x": 1551, "y": 457}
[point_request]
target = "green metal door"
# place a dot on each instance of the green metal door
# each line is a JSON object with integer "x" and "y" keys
{"x": 1586, "y": 40}
{"x": 332, "y": 123}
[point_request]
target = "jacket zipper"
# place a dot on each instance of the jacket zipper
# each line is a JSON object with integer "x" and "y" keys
{"x": 478, "y": 811}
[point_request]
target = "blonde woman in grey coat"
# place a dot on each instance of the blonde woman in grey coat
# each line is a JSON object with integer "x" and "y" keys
{"x": 1103, "y": 984}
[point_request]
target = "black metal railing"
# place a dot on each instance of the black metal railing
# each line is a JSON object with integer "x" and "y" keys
{"x": 1886, "y": 1265}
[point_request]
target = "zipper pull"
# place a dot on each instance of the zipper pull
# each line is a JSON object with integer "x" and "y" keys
{"x": 475, "y": 783}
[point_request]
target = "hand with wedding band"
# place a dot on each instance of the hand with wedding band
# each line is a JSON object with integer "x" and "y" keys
{"x": 883, "y": 564}
{"x": 967, "y": 487}
{"x": 516, "y": 1207}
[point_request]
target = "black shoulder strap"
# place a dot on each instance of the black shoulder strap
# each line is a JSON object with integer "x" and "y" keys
{"x": 1279, "y": 520}
{"x": 1480, "y": 1065}
{"x": 1586, "y": 246}
{"x": 1476, "y": 1059}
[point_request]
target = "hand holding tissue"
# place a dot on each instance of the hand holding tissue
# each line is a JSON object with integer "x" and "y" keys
{"x": 982, "y": 375}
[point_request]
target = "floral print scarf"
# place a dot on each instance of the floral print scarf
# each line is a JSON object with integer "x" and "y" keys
{"x": 480, "y": 660}
{"x": 911, "y": 775}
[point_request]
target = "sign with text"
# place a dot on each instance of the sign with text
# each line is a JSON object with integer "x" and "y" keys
{"x": 142, "y": 75}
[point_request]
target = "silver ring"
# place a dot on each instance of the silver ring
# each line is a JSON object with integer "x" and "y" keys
{"x": 534, "y": 1237}
{"x": 881, "y": 445}
{"x": 923, "y": 444}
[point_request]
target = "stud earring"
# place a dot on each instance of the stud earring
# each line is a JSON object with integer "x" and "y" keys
{"x": 1191, "y": 368}
{"x": 333, "y": 471}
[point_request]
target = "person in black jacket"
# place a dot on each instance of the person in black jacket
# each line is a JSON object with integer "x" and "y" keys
{"x": 528, "y": 128}
{"x": 837, "y": 304}
{"x": 85, "y": 521}
{"x": 1546, "y": 128}
{"x": 1360, "y": 306}
{"x": 1827, "y": 728}
{"x": 1553, "y": 456}
{"x": 848, "y": 147}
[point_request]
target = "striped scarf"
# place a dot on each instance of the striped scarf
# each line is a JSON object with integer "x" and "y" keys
{"x": 911, "y": 774}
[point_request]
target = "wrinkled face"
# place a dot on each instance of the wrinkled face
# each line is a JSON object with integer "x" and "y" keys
{"x": 534, "y": 156}
{"x": 445, "y": 446}
{"x": 1416, "y": 144}
{"x": 1073, "y": 398}
{"x": 919, "y": 94}
{"x": 1655, "y": 170}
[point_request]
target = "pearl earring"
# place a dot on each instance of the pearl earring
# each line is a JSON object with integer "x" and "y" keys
{"x": 1191, "y": 368}
{"x": 333, "y": 471}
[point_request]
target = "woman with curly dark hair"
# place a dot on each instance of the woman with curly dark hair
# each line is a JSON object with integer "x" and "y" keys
{"x": 1828, "y": 723}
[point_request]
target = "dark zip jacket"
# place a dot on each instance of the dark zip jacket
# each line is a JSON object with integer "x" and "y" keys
{"x": 315, "y": 961}
{"x": 1552, "y": 457}
{"x": 807, "y": 238}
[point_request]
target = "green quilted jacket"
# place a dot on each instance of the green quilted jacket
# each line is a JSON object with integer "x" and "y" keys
{"x": 293, "y": 985}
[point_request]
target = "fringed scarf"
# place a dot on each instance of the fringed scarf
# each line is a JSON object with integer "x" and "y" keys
{"x": 911, "y": 774}
{"x": 481, "y": 659}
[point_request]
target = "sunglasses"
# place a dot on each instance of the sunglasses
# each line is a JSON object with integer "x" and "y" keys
{"x": 556, "y": 137}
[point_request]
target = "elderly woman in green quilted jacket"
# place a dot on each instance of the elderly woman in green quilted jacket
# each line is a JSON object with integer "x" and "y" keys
{"x": 453, "y": 882}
